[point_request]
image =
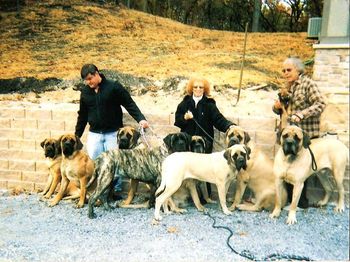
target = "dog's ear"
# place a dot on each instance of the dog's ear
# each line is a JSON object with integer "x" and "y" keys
{"x": 246, "y": 137}
{"x": 43, "y": 143}
{"x": 248, "y": 151}
{"x": 188, "y": 139}
{"x": 306, "y": 140}
{"x": 167, "y": 140}
{"x": 136, "y": 137}
{"x": 227, "y": 156}
{"x": 58, "y": 148}
{"x": 79, "y": 143}
{"x": 278, "y": 136}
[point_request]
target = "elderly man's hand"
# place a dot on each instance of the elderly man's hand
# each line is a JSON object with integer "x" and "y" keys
{"x": 277, "y": 104}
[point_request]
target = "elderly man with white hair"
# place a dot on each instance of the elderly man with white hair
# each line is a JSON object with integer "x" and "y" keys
{"x": 305, "y": 104}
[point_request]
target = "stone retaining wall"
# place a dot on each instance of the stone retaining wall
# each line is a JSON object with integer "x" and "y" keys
{"x": 23, "y": 128}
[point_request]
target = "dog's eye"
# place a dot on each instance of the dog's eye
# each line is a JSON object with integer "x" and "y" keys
{"x": 296, "y": 138}
{"x": 285, "y": 136}
{"x": 239, "y": 137}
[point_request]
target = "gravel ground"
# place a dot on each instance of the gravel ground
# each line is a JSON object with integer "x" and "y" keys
{"x": 31, "y": 231}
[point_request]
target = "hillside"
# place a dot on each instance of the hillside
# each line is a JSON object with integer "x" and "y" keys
{"x": 147, "y": 53}
{"x": 54, "y": 39}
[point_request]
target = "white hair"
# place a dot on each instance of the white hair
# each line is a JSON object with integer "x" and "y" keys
{"x": 297, "y": 63}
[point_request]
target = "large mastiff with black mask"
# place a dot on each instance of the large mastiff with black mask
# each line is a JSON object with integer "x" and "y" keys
{"x": 293, "y": 164}
{"x": 76, "y": 167}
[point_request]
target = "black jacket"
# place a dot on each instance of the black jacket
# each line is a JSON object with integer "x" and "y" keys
{"x": 102, "y": 110}
{"x": 207, "y": 115}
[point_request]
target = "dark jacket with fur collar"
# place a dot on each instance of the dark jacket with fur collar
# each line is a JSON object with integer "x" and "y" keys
{"x": 206, "y": 114}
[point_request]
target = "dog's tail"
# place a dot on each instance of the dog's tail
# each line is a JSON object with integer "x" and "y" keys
{"x": 92, "y": 179}
{"x": 160, "y": 189}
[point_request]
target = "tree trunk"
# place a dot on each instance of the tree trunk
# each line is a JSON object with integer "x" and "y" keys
{"x": 256, "y": 15}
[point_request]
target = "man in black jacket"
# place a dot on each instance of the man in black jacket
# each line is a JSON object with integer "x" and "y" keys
{"x": 100, "y": 106}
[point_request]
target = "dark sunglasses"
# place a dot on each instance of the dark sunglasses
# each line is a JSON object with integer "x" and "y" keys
{"x": 287, "y": 70}
{"x": 201, "y": 87}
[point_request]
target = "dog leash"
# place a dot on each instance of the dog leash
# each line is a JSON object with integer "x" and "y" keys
{"x": 205, "y": 132}
{"x": 142, "y": 132}
{"x": 247, "y": 254}
{"x": 313, "y": 160}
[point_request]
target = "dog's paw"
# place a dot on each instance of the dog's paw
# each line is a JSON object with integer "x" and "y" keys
{"x": 79, "y": 205}
{"x": 92, "y": 215}
{"x": 339, "y": 209}
{"x": 275, "y": 213}
{"x": 52, "y": 204}
{"x": 227, "y": 212}
{"x": 155, "y": 222}
{"x": 232, "y": 208}
{"x": 291, "y": 219}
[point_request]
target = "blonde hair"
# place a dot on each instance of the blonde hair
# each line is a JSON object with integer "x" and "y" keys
{"x": 189, "y": 87}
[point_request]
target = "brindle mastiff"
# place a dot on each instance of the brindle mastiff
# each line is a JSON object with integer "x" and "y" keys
{"x": 53, "y": 155}
{"x": 76, "y": 167}
{"x": 219, "y": 168}
{"x": 127, "y": 137}
{"x": 141, "y": 164}
{"x": 258, "y": 176}
{"x": 293, "y": 163}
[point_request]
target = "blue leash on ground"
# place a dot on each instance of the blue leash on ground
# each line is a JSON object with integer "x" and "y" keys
{"x": 247, "y": 254}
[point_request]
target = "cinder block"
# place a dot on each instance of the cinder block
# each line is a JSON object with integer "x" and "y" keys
{"x": 33, "y": 113}
{"x": 3, "y": 184}
{"x": 39, "y": 187}
{"x": 66, "y": 115}
{"x": 69, "y": 126}
{"x": 18, "y": 184}
{"x": 265, "y": 124}
{"x": 268, "y": 149}
{"x": 36, "y": 134}
{"x": 41, "y": 166}
{"x": 36, "y": 177}
{"x": 22, "y": 165}
{"x": 11, "y": 133}
{"x": 24, "y": 123}
{"x": 265, "y": 137}
{"x": 233, "y": 119}
{"x": 14, "y": 154}
{"x": 6, "y": 112}
{"x": 24, "y": 144}
{"x": 4, "y": 143}
{"x": 50, "y": 125}
{"x": 5, "y": 123}
{"x": 4, "y": 164}
{"x": 161, "y": 130}
{"x": 10, "y": 174}
{"x": 158, "y": 119}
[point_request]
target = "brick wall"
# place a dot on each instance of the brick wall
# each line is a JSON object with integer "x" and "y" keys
{"x": 24, "y": 127}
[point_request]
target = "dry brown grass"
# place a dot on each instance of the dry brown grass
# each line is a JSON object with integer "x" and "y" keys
{"x": 54, "y": 41}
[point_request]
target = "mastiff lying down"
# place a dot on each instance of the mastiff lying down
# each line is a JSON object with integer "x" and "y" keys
{"x": 219, "y": 168}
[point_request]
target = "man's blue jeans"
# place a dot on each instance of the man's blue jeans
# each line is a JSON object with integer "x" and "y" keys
{"x": 98, "y": 143}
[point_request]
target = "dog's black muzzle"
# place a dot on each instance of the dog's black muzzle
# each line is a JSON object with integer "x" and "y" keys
{"x": 240, "y": 163}
{"x": 180, "y": 146}
{"x": 233, "y": 141}
{"x": 198, "y": 148}
{"x": 50, "y": 151}
{"x": 124, "y": 143}
{"x": 290, "y": 147}
{"x": 67, "y": 149}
